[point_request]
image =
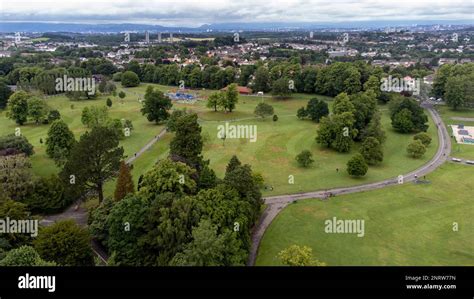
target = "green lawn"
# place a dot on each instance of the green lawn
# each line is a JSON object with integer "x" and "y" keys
{"x": 272, "y": 155}
{"x": 404, "y": 225}
{"x": 464, "y": 151}
{"x": 129, "y": 108}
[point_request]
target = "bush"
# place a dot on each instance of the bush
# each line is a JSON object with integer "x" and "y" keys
{"x": 130, "y": 79}
{"x": 424, "y": 138}
{"x": 24, "y": 256}
{"x": 14, "y": 145}
{"x": 416, "y": 149}
{"x": 65, "y": 243}
{"x": 47, "y": 196}
{"x": 357, "y": 166}
{"x": 304, "y": 158}
{"x": 53, "y": 115}
{"x": 117, "y": 77}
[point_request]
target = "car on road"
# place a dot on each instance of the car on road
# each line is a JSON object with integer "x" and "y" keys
{"x": 456, "y": 160}
{"x": 470, "y": 162}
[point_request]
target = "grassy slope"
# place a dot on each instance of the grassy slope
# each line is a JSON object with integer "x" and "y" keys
{"x": 404, "y": 225}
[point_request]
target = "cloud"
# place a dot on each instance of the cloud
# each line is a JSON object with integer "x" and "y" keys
{"x": 198, "y": 12}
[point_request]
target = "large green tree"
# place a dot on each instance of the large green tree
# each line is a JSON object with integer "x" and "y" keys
{"x": 18, "y": 107}
{"x": 59, "y": 142}
{"x": 94, "y": 160}
{"x": 156, "y": 105}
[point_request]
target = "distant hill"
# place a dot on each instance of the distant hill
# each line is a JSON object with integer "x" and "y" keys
{"x": 104, "y": 28}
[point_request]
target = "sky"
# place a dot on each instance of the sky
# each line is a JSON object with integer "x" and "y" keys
{"x": 194, "y": 13}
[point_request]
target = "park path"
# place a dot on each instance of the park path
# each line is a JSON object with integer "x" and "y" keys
{"x": 276, "y": 203}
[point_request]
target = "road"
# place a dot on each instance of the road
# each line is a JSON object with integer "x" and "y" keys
{"x": 276, "y": 203}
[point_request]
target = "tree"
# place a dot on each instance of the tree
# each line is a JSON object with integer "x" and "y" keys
{"x": 59, "y": 142}
{"x": 125, "y": 224}
{"x": 315, "y": 109}
{"x": 167, "y": 176}
{"x": 18, "y": 107}
{"x": 16, "y": 176}
{"x": 371, "y": 150}
{"x": 416, "y": 149}
{"x": 97, "y": 221}
{"x": 156, "y": 105}
{"x": 24, "y": 256}
{"x": 275, "y": 117}
{"x": 108, "y": 102}
{"x": 262, "y": 80}
{"x": 234, "y": 162}
{"x": 357, "y": 166}
{"x": 94, "y": 160}
{"x": 53, "y": 115}
{"x": 373, "y": 83}
{"x": 37, "y": 109}
{"x": 187, "y": 143}
{"x": 263, "y": 110}
{"x": 14, "y": 210}
{"x": 304, "y": 158}
{"x": 402, "y": 121}
{"x": 407, "y": 115}
{"x": 342, "y": 103}
{"x": 121, "y": 94}
{"x": 47, "y": 195}
{"x": 209, "y": 248}
{"x": 326, "y": 132}
{"x": 130, "y": 79}
{"x": 241, "y": 179}
{"x": 175, "y": 115}
{"x": 124, "y": 184}
{"x": 5, "y": 93}
{"x": 12, "y": 145}
{"x": 94, "y": 116}
{"x": 301, "y": 113}
{"x": 231, "y": 97}
{"x": 454, "y": 95}
{"x": 117, "y": 77}
{"x": 424, "y": 138}
{"x": 65, "y": 243}
{"x": 298, "y": 256}
{"x": 374, "y": 129}
{"x": 215, "y": 100}
{"x": 281, "y": 88}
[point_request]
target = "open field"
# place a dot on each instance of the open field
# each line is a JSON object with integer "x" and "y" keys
{"x": 272, "y": 155}
{"x": 410, "y": 224}
{"x": 464, "y": 151}
{"x": 130, "y": 109}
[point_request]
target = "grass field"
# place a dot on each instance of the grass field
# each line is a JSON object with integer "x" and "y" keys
{"x": 404, "y": 225}
{"x": 142, "y": 133}
{"x": 272, "y": 155}
{"x": 464, "y": 151}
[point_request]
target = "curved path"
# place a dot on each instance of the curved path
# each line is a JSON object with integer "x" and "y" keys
{"x": 276, "y": 203}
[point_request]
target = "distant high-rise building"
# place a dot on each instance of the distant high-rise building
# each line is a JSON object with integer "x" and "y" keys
{"x": 147, "y": 37}
{"x": 17, "y": 37}
{"x": 171, "y": 37}
{"x": 159, "y": 37}
{"x": 311, "y": 34}
{"x": 345, "y": 37}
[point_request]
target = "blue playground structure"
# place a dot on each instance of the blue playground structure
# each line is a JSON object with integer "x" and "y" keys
{"x": 180, "y": 96}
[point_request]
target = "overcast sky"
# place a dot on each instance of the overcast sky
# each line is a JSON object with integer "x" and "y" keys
{"x": 198, "y": 12}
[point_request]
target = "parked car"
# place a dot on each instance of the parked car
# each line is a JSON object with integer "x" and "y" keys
{"x": 470, "y": 162}
{"x": 456, "y": 160}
